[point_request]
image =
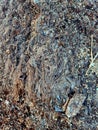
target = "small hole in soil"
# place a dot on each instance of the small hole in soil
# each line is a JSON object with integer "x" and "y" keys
{"x": 71, "y": 93}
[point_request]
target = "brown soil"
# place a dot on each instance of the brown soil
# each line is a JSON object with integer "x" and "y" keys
{"x": 48, "y": 65}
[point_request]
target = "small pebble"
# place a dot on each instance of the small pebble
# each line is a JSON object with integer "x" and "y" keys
{"x": 6, "y": 102}
{"x": 36, "y": 1}
{"x": 7, "y": 51}
{"x": 58, "y": 109}
{"x": 1, "y": 99}
{"x": 74, "y": 105}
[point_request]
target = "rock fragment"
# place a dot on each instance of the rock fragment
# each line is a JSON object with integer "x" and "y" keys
{"x": 74, "y": 105}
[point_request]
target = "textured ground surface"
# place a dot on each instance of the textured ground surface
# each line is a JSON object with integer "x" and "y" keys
{"x": 48, "y": 65}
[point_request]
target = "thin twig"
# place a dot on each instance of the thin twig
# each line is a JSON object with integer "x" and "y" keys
{"x": 92, "y": 59}
{"x": 91, "y": 64}
{"x": 91, "y": 47}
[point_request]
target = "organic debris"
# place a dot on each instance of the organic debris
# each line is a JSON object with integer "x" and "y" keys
{"x": 48, "y": 65}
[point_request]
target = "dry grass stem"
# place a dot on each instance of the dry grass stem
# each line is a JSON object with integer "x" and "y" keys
{"x": 92, "y": 58}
